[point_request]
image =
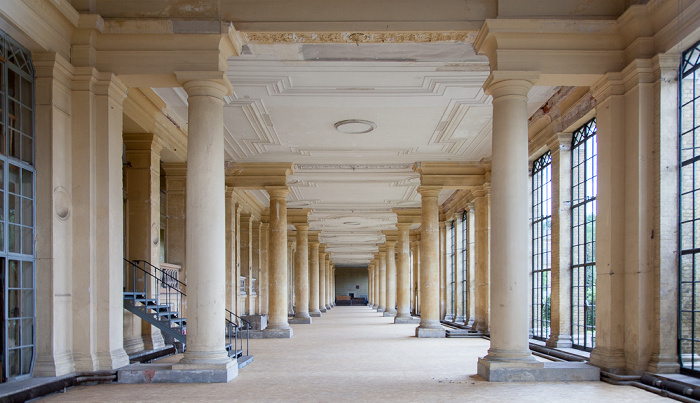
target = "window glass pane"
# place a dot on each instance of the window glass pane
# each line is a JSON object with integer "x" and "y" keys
{"x": 14, "y": 208}
{"x": 13, "y": 303}
{"x": 27, "y": 274}
{"x": 27, "y": 310}
{"x": 13, "y": 238}
{"x": 27, "y": 240}
{"x": 27, "y": 211}
{"x": 27, "y": 183}
{"x": 13, "y": 364}
{"x": 13, "y": 274}
{"x": 27, "y": 355}
{"x": 27, "y": 150}
{"x": 26, "y": 97}
{"x": 14, "y": 180}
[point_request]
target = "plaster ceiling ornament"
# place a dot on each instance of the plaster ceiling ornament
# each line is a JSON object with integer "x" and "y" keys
{"x": 355, "y": 126}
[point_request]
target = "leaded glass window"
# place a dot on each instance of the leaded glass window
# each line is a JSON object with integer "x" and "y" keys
{"x": 541, "y": 246}
{"x": 584, "y": 190}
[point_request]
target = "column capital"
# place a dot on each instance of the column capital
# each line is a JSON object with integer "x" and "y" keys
{"x": 277, "y": 192}
{"x": 403, "y": 227}
{"x": 205, "y": 83}
{"x": 510, "y": 83}
{"x": 301, "y": 227}
{"x": 429, "y": 191}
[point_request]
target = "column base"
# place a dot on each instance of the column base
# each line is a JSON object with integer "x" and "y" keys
{"x": 315, "y": 314}
{"x": 559, "y": 341}
{"x": 329, "y": 306}
{"x": 114, "y": 359}
{"x": 389, "y": 314}
{"x": 662, "y": 364}
{"x": 381, "y": 310}
{"x": 300, "y": 321}
{"x": 430, "y": 332}
{"x": 323, "y": 310}
{"x": 513, "y": 371}
{"x": 277, "y": 333}
{"x": 405, "y": 320}
{"x": 608, "y": 359}
{"x": 178, "y": 373}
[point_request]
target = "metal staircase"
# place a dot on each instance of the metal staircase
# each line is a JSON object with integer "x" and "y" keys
{"x": 157, "y": 297}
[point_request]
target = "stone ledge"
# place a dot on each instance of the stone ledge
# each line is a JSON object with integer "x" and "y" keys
{"x": 277, "y": 333}
{"x": 494, "y": 371}
{"x": 170, "y": 373}
{"x": 404, "y": 320}
{"x": 430, "y": 333}
{"x": 300, "y": 321}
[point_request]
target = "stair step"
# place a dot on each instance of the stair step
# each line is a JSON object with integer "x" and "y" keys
{"x": 244, "y": 360}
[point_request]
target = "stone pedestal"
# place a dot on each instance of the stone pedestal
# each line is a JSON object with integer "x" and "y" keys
{"x": 494, "y": 371}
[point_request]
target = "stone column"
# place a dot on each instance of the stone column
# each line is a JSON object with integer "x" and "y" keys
{"x": 278, "y": 326}
{"x": 142, "y": 183}
{"x": 328, "y": 281}
{"x": 291, "y": 247}
{"x": 560, "y": 335}
{"x": 239, "y": 299}
{"x": 509, "y": 355}
{"x": 403, "y": 289}
{"x": 313, "y": 275}
{"x": 482, "y": 258}
{"x": 416, "y": 275}
{"x": 230, "y": 253}
{"x": 246, "y": 225}
{"x": 370, "y": 284}
{"x": 301, "y": 278}
{"x": 430, "y": 264}
{"x": 322, "y": 278}
{"x": 390, "y": 278}
{"x": 253, "y": 293}
{"x": 381, "y": 258}
{"x": 206, "y": 231}
{"x": 264, "y": 281}
{"x": 377, "y": 282}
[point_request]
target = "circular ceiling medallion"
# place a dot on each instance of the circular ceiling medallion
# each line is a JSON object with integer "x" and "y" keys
{"x": 355, "y": 126}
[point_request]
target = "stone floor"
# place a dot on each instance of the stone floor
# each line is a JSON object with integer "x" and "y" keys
{"x": 355, "y": 354}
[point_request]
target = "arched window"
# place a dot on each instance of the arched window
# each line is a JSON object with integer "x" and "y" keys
{"x": 584, "y": 189}
{"x": 541, "y": 246}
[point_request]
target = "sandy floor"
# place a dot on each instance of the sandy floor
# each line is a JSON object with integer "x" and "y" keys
{"x": 354, "y": 354}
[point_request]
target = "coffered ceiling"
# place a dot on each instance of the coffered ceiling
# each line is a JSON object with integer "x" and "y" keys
{"x": 425, "y": 101}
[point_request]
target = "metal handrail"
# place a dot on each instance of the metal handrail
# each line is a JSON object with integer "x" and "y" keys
{"x": 231, "y": 319}
{"x": 174, "y": 297}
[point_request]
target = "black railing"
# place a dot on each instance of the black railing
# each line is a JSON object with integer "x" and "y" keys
{"x": 161, "y": 285}
{"x": 236, "y": 324}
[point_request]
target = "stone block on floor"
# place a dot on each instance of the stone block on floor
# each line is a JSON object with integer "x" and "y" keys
{"x": 257, "y": 322}
{"x": 403, "y": 320}
{"x": 496, "y": 371}
{"x": 177, "y": 373}
{"x": 299, "y": 321}
{"x": 430, "y": 333}
{"x": 277, "y": 333}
